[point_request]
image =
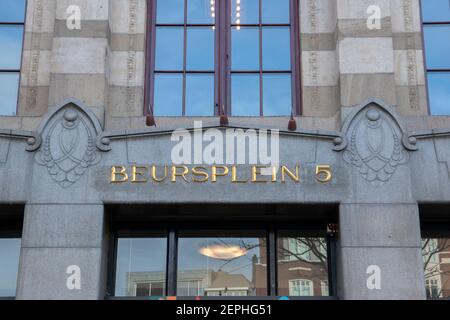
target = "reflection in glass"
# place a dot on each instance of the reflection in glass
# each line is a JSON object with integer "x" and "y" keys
{"x": 245, "y": 48}
{"x": 141, "y": 267}
{"x": 435, "y": 10}
{"x": 437, "y": 48}
{"x": 436, "y": 255}
{"x": 168, "y": 96}
{"x": 276, "y": 48}
{"x": 248, "y": 12}
{"x": 200, "y": 12}
{"x": 200, "y": 49}
{"x": 277, "y": 98}
{"x": 275, "y": 11}
{"x": 10, "y": 47}
{"x": 170, "y": 11}
{"x": 439, "y": 92}
{"x": 12, "y": 10}
{"x": 9, "y": 266}
{"x": 9, "y": 89}
{"x": 245, "y": 95}
{"x": 302, "y": 265}
{"x": 169, "y": 48}
{"x": 222, "y": 265}
{"x": 200, "y": 95}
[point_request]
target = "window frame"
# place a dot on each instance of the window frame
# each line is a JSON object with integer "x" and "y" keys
{"x": 17, "y": 71}
{"x": 140, "y": 230}
{"x": 222, "y": 54}
{"x": 424, "y": 24}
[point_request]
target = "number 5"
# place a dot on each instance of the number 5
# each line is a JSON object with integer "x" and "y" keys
{"x": 324, "y": 174}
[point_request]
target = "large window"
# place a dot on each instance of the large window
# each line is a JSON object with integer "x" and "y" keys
{"x": 212, "y": 262}
{"x": 12, "y": 17}
{"x": 9, "y": 264}
{"x": 209, "y": 57}
{"x": 436, "y": 259}
{"x": 436, "y": 29}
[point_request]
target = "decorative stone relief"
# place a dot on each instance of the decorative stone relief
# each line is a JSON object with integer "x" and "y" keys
{"x": 35, "y": 58}
{"x": 131, "y": 59}
{"x": 69, "y": 147}
{"x": 411, "y": 55}
{"x": 375, "y": 142}
{"x": 313, "y": 56}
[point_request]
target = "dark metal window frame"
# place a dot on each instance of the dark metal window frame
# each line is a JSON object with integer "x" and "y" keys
{"x": 18, "y": 71}
{"x": 430, "y": 70}
{"x": 222, "y": 53}
{"x": 271, "y": 234}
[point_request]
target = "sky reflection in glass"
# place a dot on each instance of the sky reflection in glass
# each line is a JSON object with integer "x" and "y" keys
{"x": 9, "y": 266}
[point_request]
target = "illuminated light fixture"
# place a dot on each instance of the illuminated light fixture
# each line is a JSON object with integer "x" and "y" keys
{"x": 223, "y": 252}
{"x": 238, "y": 14}
{"x": 213, "y": 13}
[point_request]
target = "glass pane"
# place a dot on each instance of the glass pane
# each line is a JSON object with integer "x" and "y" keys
{"x": 222, "y": 265}
{"x": 200, "y": 95}
{"x": 10, "y": 47}
{"x": 436, "y": 254}
{"x": 200, "y": 49}
{"x": 437, "y": 46}
{"x": 245, "y": 11}
{"x": 201, "y": 11}
{"x": 245, "y": 49}
{"x": 302, "y": 266}
{"x": 9, "y": 89}
{"x": 9, "y": 266}
{"x": 276, "y": 48}
{"x": 277, "y": 99}
{"x": 168, "y": 95}
{"x": 439, "y": 92}
{"x": 170, "y": 11}
{"x": 169, "y": 48}
{"x": 435, "y": 10}
{"x": 141, "y": 264}
{"x": 12, "y": 10}
{"x": 275, "y": 11}
{"x": 245, "y": 95}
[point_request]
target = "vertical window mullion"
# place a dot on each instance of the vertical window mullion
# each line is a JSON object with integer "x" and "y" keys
{"x": 172, "y": 250}
{"x": 272, "y": 262}
{"x": 295, "y": 60}
{"x": 261, "y": 110}
{"x": 224, "y": 54}
{"x": 184, "y": 59}
{"x": 332, "y": 271}
{"x": 151, "y": 60}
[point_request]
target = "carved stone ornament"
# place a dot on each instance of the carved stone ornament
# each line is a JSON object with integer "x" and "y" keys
{"x": 375, "y": 142}
{"x": 69, "y": 143}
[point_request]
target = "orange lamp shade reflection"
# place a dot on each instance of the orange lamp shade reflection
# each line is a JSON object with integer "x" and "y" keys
{"x": 223, "y": 252}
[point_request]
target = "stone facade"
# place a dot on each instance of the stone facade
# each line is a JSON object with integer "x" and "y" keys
{"x": 88, "y": 86}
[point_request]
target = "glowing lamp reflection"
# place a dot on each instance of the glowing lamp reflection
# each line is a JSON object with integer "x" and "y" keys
{"x": 223, "y": 252}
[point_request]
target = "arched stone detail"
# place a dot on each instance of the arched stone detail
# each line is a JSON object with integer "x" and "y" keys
{"x": 68, "y": 148}
{"x": 376, "y": 141}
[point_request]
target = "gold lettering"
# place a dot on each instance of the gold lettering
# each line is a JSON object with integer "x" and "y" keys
{"x": 234, "y": 176}
{"x": 202, "y": 172}
{"x": 121, "y": 171}
{"x": 323, "y": 173}
{"x": 214, "y": 174}
{"x": 135, "y": 174}
{"x": 176, "y": 174}
{"x": 274, "y": 173}
{"x": 256, "y": 171}
{"x": 154, "y": 175}
{"x": 285, "y": 170}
